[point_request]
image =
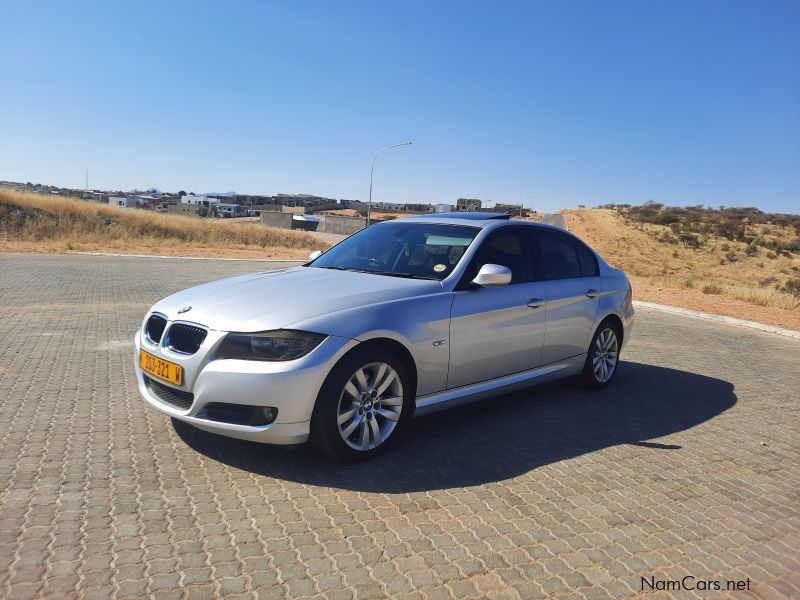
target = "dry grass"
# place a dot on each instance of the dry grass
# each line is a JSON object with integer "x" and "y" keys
{"x": 721, "y": 276}
{"x": 712, "y": 288}
{"x": 32, "y": 222}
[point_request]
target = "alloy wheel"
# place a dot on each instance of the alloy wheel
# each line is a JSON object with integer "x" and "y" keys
{"x": 370, "y": 406}
{"x": 606, "y": 354}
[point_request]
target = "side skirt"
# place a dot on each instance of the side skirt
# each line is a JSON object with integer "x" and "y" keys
{"x": 431, "y": 403}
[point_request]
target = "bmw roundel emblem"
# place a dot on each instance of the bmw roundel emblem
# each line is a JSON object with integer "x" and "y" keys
{"x": 185, "y": 309}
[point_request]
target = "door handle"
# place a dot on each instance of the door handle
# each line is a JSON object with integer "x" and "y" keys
{"x": 536, "y": 302}
{"x": 591, "y": 293}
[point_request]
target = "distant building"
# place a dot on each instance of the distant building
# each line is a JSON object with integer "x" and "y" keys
{"x": 305, "y": 222}
{"x": 463, "y": 204}
{"x": 514, "y": 209}
{"x": 190, "y": 210}
{"x": 413, "y": 207}
{"x": 306, "y": 200}
{"x": 124, "y": 201}
{"x": 443, "y": 208}
{"x": 355, "y": 204}
{"x": 243, "y": 199}
{"x": 387, "y": 206}
{"x": 227, "y": 210}
{"x": 88, "y": 195}
{"x": 391, "y": 206}
{"x": 206, "y": 201}
{"x": 147, "y": 200}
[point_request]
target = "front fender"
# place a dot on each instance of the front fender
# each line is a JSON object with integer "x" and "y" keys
{"x": 421, "y": 325}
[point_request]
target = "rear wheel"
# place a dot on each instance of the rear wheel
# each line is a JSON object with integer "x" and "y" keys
{"x": 602, "y": 359}
{"x": 362, "y": 406}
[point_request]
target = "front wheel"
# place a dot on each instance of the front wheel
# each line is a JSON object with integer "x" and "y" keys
{"x": 602, "y": 358}
{"x": 362, "y": 406}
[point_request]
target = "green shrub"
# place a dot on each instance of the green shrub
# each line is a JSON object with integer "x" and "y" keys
{"x": 666, "y": 219}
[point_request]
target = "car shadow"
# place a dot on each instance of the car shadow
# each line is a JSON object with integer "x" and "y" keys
{"x": 501, "y": 437}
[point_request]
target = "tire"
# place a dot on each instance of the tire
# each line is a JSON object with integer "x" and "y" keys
{"x": 363, "y": 406}
{"x": 602, "y": 357}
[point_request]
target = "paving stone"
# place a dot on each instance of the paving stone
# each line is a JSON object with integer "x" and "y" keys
{"x": 686, "y": 465}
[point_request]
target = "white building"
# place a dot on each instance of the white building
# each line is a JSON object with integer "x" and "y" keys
{"x": 123, "y": 201}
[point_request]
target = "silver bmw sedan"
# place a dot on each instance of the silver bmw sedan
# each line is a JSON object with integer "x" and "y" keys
{"x": 403, "y": 318}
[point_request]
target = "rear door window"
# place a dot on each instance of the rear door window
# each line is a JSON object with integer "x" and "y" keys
{"x": 558, "y": 254}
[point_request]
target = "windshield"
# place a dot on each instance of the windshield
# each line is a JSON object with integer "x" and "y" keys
{"x": 402, "y": 249}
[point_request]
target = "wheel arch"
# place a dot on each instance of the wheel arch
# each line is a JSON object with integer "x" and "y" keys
{"x": 318, "y": 435}
{"x": 394, "y": 346}
{"x": 618, "y": 325}
{"x": 402, "y": 352}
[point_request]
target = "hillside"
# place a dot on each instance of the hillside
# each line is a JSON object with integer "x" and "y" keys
{"x": 742, "y": 266}
{"x": 37, "y": 223}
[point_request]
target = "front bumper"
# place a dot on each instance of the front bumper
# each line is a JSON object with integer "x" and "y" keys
{"x": 291, "y": 387}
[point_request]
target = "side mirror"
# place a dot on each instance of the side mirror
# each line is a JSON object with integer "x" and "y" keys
{"x": 493, "y": 276}
{"x": 315, "y": 254}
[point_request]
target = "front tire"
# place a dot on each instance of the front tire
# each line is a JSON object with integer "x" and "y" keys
{"x": 363, "y": 405}
{"x": 602, "y": 359}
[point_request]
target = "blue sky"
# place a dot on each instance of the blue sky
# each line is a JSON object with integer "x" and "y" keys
{"x": 554, "y": 103}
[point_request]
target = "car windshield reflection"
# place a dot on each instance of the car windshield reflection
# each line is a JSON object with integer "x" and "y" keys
{"x": 409, "y": 250}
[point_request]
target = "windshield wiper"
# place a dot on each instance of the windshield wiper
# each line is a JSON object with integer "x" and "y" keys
{"x": 387, "y": 273}
{"x": 340, "y": 268}
{"x": 401, "y": 274}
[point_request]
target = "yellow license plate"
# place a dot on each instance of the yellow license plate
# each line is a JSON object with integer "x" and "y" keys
{"x": 163, "y": 369}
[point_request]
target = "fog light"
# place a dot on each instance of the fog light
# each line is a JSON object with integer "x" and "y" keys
{"x": 268, "y": 414}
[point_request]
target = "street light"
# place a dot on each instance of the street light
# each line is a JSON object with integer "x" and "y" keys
{"x": 372, "y": 170}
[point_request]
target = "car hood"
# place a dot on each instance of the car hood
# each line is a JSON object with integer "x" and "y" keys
{"x": 276, "y": 299}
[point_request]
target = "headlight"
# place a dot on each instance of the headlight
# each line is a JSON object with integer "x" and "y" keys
{"x": 269, "y": 345}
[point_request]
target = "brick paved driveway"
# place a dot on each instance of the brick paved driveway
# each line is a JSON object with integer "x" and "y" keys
{"x": 687, "y": 465}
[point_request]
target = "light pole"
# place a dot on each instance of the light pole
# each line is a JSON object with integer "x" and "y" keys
{"x": 525, "y": 198}
{"x": 372, "y": 170}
